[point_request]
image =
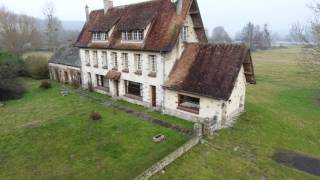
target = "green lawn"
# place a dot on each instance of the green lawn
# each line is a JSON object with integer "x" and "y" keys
{"x": 170, "y": 119}
{"x": 281, "y": 112}
{"x": 47, "y": 136}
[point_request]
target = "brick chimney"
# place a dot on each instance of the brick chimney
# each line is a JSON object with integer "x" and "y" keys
{"x": 87, "y": 13}
{"x": 107, "y": 4}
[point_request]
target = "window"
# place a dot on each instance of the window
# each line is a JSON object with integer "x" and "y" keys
{"x": 153, "y": 63}
{"x": 102, "y": 82}
{"x": 125, "y": 63}
{"x": 99, "y": 80}
{"x": 138, "y": 63}
{"x": 87, "y": 57}
{"x": 100, "y": 36}
{"x": 104, "y": 58}
{"x": 114, "y": 60}
{"x": 137, "y": 35}
{"x": 140, "y": 35}
{"x": 184, "y": 34}
{"x": 95, "y": 58}
{"x": 189, "y": 104}
{"x": 133, "y": 88}
{"x": 126, "y": 36}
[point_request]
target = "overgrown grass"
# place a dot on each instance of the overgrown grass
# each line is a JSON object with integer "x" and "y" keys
{"x": 47, "y": 136}
{"x": 281, "y": 112}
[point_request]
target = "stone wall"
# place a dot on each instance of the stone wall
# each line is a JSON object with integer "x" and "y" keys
{"x": 169, "y": 159}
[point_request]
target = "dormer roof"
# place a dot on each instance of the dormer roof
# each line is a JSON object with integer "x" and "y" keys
{"x": 165, "y": 25}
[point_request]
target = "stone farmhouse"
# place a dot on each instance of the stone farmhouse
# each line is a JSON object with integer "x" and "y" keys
{"x": 156, "y": 54}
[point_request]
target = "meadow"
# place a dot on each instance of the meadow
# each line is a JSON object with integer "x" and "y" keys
{"x": 282, "y": 112}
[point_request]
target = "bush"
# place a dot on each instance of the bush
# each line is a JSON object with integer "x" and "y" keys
{"x": 37, "y": 67}
{"x": 10, "y": 69}
{"x": 11, "y": 89}
{"x": 95, "y": 116}
{"x": 45, "y": 85}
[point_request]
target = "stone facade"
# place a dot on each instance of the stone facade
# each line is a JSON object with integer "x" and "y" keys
{"x": 219, "y": 112}
{"x": 109, "y": 65}
{"x": 64, "y": 73}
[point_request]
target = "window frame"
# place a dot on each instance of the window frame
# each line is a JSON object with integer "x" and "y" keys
{"x": 100, "y": 36}
{"x": 125, "y": 62}
{"x": 185, "y": 33}
{"x": 153, "y": 63}
{"x": 133, "y": 36}
{"x": 114, "y": 59}
{"x": 135, "y": 93}
{"x": 138, "y": 63}
{"x": 95, "y": 58}
{"x": 87, "y": 57}
{"x": 104, "y": 58}
{"x": 188, "y": 99}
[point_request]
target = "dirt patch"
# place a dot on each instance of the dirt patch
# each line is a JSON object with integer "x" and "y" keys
{"x": 298, "y": 161}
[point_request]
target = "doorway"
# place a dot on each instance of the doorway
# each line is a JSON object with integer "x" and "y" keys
{"x": 153, "y": 96}
{"x": 116, "y": 83}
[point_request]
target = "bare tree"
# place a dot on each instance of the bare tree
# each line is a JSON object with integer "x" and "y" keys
{"x": 310, "y": 35}
{"x": 255, "y": 37}
{"x": 17, "y": 32}
{"x": 53, "y": 25}
{"x": 246, "y": 35}
{"x": 298, "y": 32}
{"x": 220, "y": 35}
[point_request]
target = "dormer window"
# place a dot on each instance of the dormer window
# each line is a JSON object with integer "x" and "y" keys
{"x": 100, "y": 36}
{"x": 184, "y": 33}
{"x": 137, "y": 35}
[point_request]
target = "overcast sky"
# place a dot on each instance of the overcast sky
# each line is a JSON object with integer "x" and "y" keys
{"x": 232, "y": 14}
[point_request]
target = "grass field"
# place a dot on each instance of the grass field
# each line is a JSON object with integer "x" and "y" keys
{"x": 47, "y": 136}
{"x": 282, "y": 111}
{"x": 46, "y": 54}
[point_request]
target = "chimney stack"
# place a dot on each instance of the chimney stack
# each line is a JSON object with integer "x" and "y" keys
{"x": 108, "y": 4}
{"x": 87, "y": 13}
{"x": 179, "y": 7}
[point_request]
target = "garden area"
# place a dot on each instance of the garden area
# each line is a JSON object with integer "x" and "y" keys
{"x": 45, "y": 135}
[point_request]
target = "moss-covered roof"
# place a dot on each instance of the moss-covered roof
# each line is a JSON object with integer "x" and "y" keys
{"x": 66, "y": 55}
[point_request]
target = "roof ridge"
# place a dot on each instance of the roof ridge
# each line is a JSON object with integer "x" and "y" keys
{"x": 135, "y": 4}
{"x": 128, "y": 5}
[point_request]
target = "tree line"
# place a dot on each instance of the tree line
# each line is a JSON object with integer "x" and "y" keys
{"x": 252, "y": 35}
{"x": 21, "y": 33}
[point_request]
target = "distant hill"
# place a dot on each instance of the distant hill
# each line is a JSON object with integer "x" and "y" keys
{"x": 73, "y": 25}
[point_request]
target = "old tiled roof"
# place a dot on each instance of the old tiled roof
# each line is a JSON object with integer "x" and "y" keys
{"x": 66, "y": 55}
{"x": 161, "y": 14}
{"x": 210, "y": 70}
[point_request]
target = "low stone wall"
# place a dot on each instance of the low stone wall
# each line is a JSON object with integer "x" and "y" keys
{"x": 169, "y": 159}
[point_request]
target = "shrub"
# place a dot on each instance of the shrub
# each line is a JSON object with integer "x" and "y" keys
{"x": 95, "y": 116}
{"x": 10, "y": 69}
{"x": 45, "y": 85}
{"x": 11, "y": 89}
{"x": 37, "y": 67}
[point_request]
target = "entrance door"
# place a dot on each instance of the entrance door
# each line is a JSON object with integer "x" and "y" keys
{"x": 116, "y": 83}
{"x": 153, "y": 96}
